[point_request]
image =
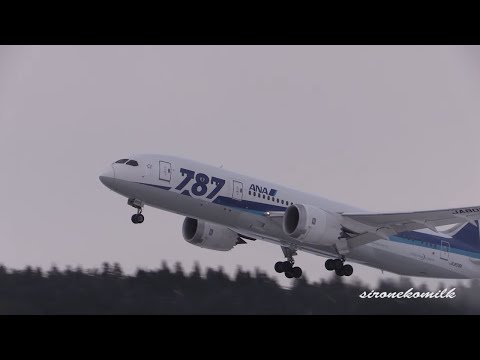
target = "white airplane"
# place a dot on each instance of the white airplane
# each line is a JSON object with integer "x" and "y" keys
{"x": 223, "y": 209}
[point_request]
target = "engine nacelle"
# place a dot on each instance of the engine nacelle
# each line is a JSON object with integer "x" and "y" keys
{"x": 209, "y": 236}
{"x": 311, "y": 225}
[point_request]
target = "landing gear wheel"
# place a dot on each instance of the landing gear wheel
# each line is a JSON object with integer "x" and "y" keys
{"x": 134, "y": 218}
{"x": 140, "y": 218}
{"x": 347, "y": 270}
{"x": 296, "y": 272}
{"x": 286, "y": 266}
{"x": 329, "y": 265}
{"x": 337, "y": 264}
{"x": 340, "y": 272}
{"x": 279, "y": 267}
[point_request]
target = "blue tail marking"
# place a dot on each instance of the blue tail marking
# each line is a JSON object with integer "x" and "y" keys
{"x": 469, "y": 234}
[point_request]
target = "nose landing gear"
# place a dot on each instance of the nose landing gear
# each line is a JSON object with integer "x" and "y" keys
{"x": 137, "y": 218}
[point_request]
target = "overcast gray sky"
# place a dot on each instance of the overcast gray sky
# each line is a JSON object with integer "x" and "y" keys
{"x": 387, "y": 128}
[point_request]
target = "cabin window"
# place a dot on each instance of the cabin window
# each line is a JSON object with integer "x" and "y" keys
{"x": 264, "y": 196}
{"x": 259, "y": 195}
{"x": 122, "y": 161}
{"x": 278, "y": 200}
{"x": 314, "y": 221}
{"x": 132, "y": 163}
{"x": 273, "y": 199}
{"x": 282, "y": 201}
{"x": 287, "y": 202}
{"x": 249, "y": 193}
{"x": 268, "y": 197}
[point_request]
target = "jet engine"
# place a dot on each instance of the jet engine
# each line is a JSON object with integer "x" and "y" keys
{"x": 311, "y": 225}
{"x": 209, "y": 236}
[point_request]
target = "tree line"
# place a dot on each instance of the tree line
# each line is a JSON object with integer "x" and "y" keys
{"x": 108, "y": 290}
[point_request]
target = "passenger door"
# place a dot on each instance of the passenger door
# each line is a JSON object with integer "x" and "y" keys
{"x": 237, "y": 190}
{"x": 444, "y": 250}
{"x": 165, "y": 171}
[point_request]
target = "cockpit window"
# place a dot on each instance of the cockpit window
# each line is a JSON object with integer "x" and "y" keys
{"x": 132, "y": 163}
{"x": 123, "y": 161}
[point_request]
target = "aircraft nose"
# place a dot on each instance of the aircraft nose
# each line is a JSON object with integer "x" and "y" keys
{"x": 108, "y": 177}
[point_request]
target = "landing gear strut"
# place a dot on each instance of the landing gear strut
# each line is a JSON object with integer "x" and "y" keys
{"x": 339, "y": 267}
{"x": 287, "y": 266}
{"x": 137, "y": 218}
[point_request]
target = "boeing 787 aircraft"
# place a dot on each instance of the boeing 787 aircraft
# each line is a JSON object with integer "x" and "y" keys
{"x": 223, "y": 209}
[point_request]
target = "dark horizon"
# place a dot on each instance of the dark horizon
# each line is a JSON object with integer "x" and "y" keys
{"x": 170, "y": 290}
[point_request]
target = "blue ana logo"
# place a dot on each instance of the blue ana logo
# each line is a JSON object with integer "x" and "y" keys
{"x": 263, "y": 190}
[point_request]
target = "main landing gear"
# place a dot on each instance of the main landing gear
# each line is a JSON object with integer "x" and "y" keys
{"x": 287, "y": 266}
{"x": 339, "y": 267}
{"x": 137, "y": 218}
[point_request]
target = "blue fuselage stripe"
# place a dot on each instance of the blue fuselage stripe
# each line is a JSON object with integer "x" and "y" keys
{"x": 247, "y": 205}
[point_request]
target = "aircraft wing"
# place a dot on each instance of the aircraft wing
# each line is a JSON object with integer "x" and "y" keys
{"x": 363, "y": 228}
{"x": 374, "y": 226}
